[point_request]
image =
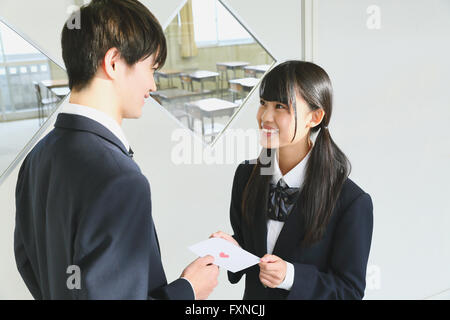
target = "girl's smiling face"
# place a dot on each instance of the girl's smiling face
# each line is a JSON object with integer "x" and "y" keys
{"x": 276, "y": 121}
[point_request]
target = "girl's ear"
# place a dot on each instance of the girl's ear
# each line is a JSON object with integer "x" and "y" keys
{"x": 316, "y": 117}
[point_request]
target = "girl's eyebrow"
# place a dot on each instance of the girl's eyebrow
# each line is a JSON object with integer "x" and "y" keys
{"x": 276, "y": 102}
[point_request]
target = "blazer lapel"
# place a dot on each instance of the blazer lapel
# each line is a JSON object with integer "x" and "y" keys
{"x": 292, "y": 233}
{"x": 81, "y": 123}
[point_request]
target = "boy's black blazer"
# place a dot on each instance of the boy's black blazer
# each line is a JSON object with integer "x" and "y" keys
{"x": 333, "y": 268}
{"x": 81, "y": 200}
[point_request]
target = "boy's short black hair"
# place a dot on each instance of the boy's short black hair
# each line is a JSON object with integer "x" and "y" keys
{"x": 104, "y": 24}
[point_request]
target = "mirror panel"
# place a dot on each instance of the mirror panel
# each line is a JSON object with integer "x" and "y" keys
{"x": 213, "y": 64}
{"x": 31, "y": 89}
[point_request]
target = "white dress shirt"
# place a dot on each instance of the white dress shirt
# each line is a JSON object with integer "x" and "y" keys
{"x": 99, "y": 116}
{"x": 294, "y": 179}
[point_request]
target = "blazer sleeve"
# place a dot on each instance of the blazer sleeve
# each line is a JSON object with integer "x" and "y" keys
{"x": 22, "y": 260}
{"x": 345, "y": 278}
{"x": 235, "y": 219}
{"x": 114, "y": 242}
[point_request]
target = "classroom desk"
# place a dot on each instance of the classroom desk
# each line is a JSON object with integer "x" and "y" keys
{"x": 246, "y": 84}
{"x": 242, "y": 86}
{"x": 60, "y": 92}
{"x": 232, "y": 65}
{"x": 173, "y": 100}
{"x": 257, "y": 69}
{"x": 210, "y": 108}
{"x": 168, "y": 74}
{"x": 173, "y": 94}
{"x": 223, "y": 67}
{"x": 50, "y": 84}
{"x": 204, "y": 75}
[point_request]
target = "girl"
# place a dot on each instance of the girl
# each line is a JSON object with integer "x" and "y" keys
{"x": 295, "y": 206}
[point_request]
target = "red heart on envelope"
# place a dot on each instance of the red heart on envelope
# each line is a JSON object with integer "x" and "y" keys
{"x": 223, "y": 255}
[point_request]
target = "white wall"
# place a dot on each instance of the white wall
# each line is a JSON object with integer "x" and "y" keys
{"x": 391, "y": 119}
{"x": 388, "y": 118}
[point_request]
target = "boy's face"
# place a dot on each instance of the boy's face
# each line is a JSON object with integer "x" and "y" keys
{"x": 134, "y": 85}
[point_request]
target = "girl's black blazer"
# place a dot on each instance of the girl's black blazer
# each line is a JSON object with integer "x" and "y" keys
{"x": 333, "y": 268}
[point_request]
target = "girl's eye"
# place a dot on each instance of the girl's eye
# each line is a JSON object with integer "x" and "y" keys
{"x": 279, "y": 106}
{"x": 262, "y": 102}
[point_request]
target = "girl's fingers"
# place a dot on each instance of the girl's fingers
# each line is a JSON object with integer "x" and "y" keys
{"x": 218, "y": 234}
{"x": 225, "y": 236}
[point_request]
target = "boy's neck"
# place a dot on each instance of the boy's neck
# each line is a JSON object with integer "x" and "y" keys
{"x": 100, "y": 96}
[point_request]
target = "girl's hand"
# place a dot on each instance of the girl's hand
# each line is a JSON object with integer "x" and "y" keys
{"x": 223, "y": 235}
{"x": 272, "y": 271}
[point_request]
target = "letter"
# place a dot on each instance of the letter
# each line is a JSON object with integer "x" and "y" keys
{"x": 198, "y": 151}
{"x": 188, "y": 310}
{"x": 373, "y": 277}
{"x": 246, "y": 309}
{"x": 374, "y": 20}
{"x": 74, "y": 281}
{"x": 209, "y": 155}
{"x": 261, "y": 308}
{"x": 216, "y": 311}
{"x": 182, "y": 152}
{"x": 253, "y": 312}
{"x": 238, "y": 309}
{"x": 198, "y": 310}
{"x": 74, "y": 21}
{"x": 231, "y": 308}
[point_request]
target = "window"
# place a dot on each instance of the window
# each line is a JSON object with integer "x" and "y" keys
{"x": 215, "y": 26}
{"x": 16, "y": 45}
{"x": 21, "y": 64}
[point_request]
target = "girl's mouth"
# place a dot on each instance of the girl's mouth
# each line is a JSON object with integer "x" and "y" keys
{"x": 270, "y": 132}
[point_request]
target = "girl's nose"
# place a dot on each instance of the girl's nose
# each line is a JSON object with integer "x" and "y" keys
{"x": 267, "y": 115}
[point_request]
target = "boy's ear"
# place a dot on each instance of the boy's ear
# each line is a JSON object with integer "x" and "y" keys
{"x": 110, "y": 62}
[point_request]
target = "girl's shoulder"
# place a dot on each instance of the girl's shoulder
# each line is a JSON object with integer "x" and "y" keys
{"x": 245, "y": 169}
{"x": 352, "y": 192}
{"x": 242, "y": 174}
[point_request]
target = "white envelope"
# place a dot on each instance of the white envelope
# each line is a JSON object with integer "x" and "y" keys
{"x": 226, "y": 254}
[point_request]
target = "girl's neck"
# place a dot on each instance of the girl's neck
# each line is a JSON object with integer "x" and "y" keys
{"x": 291, "y": 155}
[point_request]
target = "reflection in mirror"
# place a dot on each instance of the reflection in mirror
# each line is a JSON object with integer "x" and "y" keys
{"x": 213, "y": 64}
{"x": 31, "y": 87}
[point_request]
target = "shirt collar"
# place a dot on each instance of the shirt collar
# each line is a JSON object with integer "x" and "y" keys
{"x": 100, "y": 117}
{"x": 294, "y": 178}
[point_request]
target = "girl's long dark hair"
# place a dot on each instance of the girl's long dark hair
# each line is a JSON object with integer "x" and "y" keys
{"x": 327, "y": 168}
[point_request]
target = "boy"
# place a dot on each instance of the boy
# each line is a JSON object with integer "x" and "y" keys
{"x": 84, "y": 228}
